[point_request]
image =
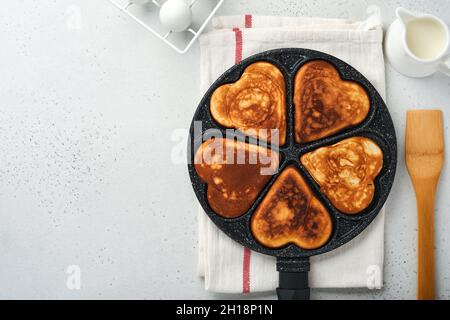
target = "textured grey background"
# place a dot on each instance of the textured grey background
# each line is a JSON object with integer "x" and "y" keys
{"x": 87, "y": 120}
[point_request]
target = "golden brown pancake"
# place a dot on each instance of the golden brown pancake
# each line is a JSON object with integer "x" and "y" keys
{"x": 256, "y": 101}
{"x": 290, "y": 213}
{"x": 345, "y": 172}
{"x": 235, "y": 173}
{"x": 324, "y": 103}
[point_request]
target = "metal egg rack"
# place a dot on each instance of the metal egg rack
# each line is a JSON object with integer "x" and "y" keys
{"x": 181, "y": 42}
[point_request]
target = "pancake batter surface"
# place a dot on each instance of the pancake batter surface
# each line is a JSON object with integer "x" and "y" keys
{"x": 346, "y": 172}
{"x": 324, "y": 103}
{"x": 290, "y": 213}
{"x": 235, "y": 173}
{"x": 255, "y": 104}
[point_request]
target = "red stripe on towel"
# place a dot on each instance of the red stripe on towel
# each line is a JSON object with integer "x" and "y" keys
{"x": 238, "y": 51}
{"x": 247, "y": 252}
{"x": 248, "y": 20}
{"x": 246, "y": 271}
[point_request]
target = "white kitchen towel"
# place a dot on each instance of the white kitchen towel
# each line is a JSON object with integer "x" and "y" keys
{"x": 225, "y": 265}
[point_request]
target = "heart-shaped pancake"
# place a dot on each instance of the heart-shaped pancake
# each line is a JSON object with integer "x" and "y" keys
{"x": 290, "y": 213}
{"x": 235, "y": 173}
{"x": 324, "y": 103}
{"x": 255, "y": 104}
{"x": 346, "y": 171}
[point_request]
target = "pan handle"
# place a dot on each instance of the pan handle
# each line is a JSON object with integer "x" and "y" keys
{"x": 293, "y": 283}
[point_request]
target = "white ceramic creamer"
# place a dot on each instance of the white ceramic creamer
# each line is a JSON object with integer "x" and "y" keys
{"x": 416, "y": 44}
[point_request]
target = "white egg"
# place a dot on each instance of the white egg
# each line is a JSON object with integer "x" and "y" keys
{"x": 175, "y": 15}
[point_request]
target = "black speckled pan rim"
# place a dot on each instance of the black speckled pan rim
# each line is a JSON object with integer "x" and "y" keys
{"x": 377, "y": 126}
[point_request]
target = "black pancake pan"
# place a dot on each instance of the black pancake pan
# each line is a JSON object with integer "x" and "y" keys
{"x": 292, "y": 261}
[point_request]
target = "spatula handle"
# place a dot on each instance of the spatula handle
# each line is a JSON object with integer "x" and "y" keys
{"x": 425, "y": 191}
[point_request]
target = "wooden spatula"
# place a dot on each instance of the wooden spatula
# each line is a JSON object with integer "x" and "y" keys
{"x": 424, "y": 160}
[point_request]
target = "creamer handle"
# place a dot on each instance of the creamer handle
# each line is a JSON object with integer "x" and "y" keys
{"x": 444, "y": 67}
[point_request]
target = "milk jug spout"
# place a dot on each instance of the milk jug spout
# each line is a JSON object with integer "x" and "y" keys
{"x": 404, "y": 15}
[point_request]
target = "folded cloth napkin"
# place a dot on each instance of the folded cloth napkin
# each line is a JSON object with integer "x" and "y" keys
{"x": 225, "y": 265}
